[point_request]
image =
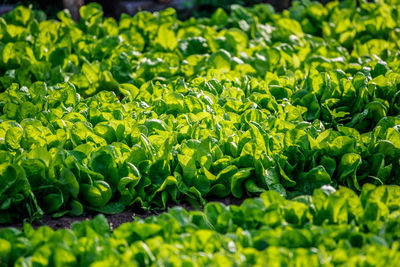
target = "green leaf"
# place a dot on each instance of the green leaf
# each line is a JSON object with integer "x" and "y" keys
{"x": 273, "y": 182}
{"x": 313, "y": 179}
{"x": 166, "y": 38}
{"x": 68, "y": 179}
{"x": 219, "y": 18}
{"x": 237, "y": 180}
{"x": 159, "y": 171}
{"x": 348, "y": 166}
{"x": 220, "y": 60}
{"x": 5, "y": 251}
{"x": 97, "y": 195}
{"x": 13, "y": 138}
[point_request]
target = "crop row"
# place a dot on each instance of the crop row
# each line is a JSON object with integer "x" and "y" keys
{"x": 329, "y": 228}
{"x": 101, "y": 149}
{"x": 101, "y": 115}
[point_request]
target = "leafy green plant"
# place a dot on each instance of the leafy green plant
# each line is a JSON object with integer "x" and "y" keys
{"x": 102, "y": 115}
{"x": 328, "y": 228}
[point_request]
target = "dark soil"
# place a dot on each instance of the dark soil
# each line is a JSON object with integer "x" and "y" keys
{"x": 116, "y": 220}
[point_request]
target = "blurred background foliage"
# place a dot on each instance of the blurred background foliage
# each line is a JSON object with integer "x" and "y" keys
{"x": 186, "y": 8}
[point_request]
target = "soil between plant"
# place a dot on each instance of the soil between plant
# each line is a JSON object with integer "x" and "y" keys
{"x": 115, "y": 220}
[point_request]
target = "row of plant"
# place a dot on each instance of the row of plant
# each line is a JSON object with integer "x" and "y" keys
{"x": 101, "y": 115}
{"x": 329, "y": 228}
{"x": 104, "y": 151}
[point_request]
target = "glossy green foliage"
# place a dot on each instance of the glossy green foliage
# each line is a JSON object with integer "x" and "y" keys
{"x": 149, "y": 110}
{"x": 327, "y": 229}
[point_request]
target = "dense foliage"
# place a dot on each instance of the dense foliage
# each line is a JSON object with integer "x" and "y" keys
{"x": 328, "y": 229}
{"x": 299, "y": 109}
{"x": 101, "y": 115}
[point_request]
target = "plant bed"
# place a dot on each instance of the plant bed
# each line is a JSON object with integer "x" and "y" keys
{"x": 328, "y": 228}
{"x": 110, "y": 115}
{"x": 294, "y": 116}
